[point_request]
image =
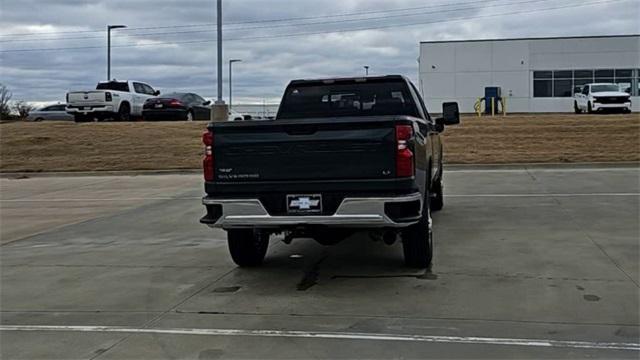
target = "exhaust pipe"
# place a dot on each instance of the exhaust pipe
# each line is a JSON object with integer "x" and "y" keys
{"x": 390, "y": 237}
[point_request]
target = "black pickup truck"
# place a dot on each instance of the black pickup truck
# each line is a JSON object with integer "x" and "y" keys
{"x": 343, "y": 155}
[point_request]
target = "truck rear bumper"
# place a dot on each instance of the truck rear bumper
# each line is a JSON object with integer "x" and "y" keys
{"x": 365, "y": 212}
{"x": 89, "y": 109}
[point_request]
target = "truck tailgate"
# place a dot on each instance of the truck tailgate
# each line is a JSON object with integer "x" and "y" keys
{"x": 86, "y": 97}
{"x": 318, "y": 149}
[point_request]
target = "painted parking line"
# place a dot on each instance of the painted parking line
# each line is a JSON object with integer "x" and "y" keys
{"x": 543, "y": 170}
{"x": 546, "y": 195}
{"x": 99, "y": 199}
{"x": 334, "y": 335}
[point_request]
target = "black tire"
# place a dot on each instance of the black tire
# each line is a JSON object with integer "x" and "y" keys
{"x": 247, "y": 247}
{"x": 589, "y": 108}
{"x": 79, "y": 118}
{"x": 38, "y": 119}
{"x": 437, "y": 195}
{"x": 124, "y": 113}
{"x": 417, "y": 241}
{"x": 576, "y": 108}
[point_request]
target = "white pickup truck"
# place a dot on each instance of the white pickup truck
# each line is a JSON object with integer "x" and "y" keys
{"x": 118, "y": 100}
{"x": 601, "y": 96}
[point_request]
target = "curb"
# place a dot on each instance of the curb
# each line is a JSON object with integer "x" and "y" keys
{"x": 27, "y": 174}
{"x": 513, "y": 166}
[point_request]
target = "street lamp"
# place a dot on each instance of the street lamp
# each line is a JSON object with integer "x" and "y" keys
{"x": 366, "y": 70}
{"x": 230, "y": 83}
{"x": 219, "y": 110}
{"x": 109, "y": 28}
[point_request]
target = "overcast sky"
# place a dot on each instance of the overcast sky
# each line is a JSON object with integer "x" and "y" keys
{"x": 173, "y": 47}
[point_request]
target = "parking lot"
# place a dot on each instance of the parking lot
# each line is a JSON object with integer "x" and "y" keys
{"x": 538, "y": 262}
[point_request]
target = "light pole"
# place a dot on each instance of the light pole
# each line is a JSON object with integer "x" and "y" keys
{"x": 366, "y": 70}
{"x": 230, "y": 82}
{"x": 109, "y": 28}
{"x": 219, "y": 43}
{"x": 219, "y": 110}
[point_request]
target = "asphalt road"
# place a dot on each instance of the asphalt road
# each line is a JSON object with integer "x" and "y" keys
{"x": 530, "y": 263}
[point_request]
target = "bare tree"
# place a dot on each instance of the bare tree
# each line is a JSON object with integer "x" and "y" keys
{"x": 5, "y": 96}
{"x": 23, "y": 109}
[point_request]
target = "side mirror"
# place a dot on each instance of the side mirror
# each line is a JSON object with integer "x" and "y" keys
{"x": 207, "y": 103}
{"x": 577, "y": 90}
{"x": 156, "y": 93}
{"x": 450, "y": 113}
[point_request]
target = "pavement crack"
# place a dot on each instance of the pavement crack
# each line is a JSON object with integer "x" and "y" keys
{"x": 151, "y": 322}
{"x": 310, "y": 277}
{"x": 594, "y": 242}
{"x": 533, "y": 177}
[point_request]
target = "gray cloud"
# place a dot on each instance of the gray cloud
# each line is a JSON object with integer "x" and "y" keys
{"x": 268, "y": 63}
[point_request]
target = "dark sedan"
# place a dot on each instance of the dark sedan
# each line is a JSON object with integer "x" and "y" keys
{"x": 177, "y": 107}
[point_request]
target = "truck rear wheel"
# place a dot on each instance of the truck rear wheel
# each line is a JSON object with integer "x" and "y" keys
{"x": 247, "y": 247}
{"x": 124, "y": 113}
{"x": 417, "y": 241}
{"x": 79, "y": 118}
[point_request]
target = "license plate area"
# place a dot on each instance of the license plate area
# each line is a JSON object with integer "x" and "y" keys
{"x": 158, "y": 106}
{"x": 304, "y": 204}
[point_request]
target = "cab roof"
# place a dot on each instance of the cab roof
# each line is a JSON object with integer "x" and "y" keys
{"x": 357, "y": 79}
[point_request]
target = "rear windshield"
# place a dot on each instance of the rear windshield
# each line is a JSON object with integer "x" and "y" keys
{"x": 348, "y": 99}
{"x": 603, "y": 88}
{"x": 113, "y": 85}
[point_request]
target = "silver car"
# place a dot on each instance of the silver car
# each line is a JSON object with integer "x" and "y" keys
{"x": 51, "y": 112}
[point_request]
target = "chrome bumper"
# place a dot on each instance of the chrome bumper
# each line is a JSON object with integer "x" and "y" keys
{"x": 90, "y": 109}
{"x": 352, "y": 212}
{"x": 626, "y": 105}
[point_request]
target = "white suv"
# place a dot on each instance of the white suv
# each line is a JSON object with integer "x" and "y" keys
{"x": 601, "y": 96}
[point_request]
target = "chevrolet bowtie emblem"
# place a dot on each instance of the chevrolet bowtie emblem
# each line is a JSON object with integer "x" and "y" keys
{"x": 304, "y": 203}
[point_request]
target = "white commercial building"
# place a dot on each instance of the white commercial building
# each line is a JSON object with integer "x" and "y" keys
{"x": 535, "y": 74}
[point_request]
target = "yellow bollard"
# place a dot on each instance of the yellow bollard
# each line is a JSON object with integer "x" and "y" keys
{"x": 478, "y": 107}
{"x": 504, "y": 106}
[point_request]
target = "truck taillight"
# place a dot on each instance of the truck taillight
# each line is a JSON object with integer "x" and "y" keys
{"x": 404, "y": 155}
{"x": 207, "y": 162}
{"x": 107, "y": 96}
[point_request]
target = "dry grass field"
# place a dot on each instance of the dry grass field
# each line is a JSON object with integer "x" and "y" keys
{"x": 554, "y": 138}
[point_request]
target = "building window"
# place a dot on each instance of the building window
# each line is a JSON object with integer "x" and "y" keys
{"x": 581, "y": 78}
{"x": 542, "y": 84}
{"x": 563, "y": 83}
{"x": 604, "y": 76}
{"x": 583, "y": 74}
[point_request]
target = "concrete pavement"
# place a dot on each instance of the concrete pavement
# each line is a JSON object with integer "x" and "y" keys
{"x": 530, "y": 263}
